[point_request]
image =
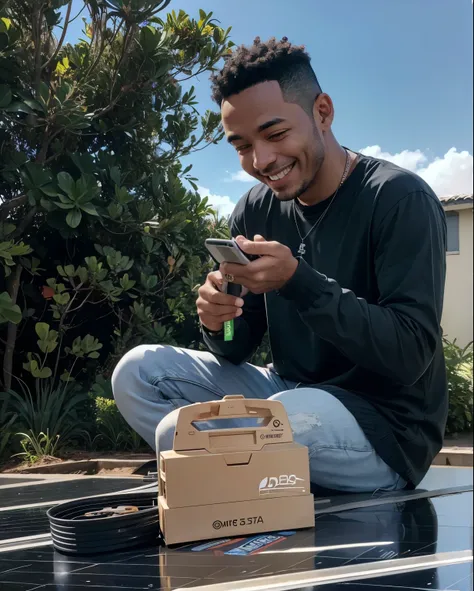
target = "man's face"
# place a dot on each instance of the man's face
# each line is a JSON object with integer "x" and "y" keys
{"x": 278, "y": 143}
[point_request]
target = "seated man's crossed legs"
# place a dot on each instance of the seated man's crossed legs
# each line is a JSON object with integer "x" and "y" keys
{"x": 151, "y": 382}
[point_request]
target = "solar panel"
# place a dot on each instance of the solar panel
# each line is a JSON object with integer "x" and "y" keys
{"x": 377, "y": 543}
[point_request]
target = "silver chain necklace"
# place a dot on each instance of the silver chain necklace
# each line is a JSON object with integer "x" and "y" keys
{"x": 302, "y": 247}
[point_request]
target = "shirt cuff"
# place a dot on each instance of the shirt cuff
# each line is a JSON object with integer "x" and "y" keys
{"x": 305, "y": 285}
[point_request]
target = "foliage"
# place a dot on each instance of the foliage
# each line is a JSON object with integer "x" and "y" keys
{"x": 9, "y": 312}
{"x": 101, "y": 226}
{"x": 46, "y": 419}
{"x": 113, "y": 431}
{"x": 7, "y": 427}
{"x": 38, "y": 446}
{"x": 263, "y": 355}
{"x": 459, "y": 368}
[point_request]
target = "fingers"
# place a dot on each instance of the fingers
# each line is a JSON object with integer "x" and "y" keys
{"x": 259, "y": 246}
{"x": 218, "y": 309}
{"x": 214, "y": 307}
{"x": 243, "y": 273}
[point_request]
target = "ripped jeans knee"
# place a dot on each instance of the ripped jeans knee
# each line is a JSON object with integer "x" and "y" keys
{"x": 340, "y": 455}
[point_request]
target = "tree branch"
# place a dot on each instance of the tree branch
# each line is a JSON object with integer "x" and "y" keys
{"x": 126, "y": 43}
{"x": 61, "y": 40}
{"x": 101, "y": 48}
{"x": 36, "y": 30}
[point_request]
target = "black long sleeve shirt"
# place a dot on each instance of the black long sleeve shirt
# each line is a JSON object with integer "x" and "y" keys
{"x": 361, "y": 316}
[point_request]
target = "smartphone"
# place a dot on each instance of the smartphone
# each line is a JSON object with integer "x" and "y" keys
{"x": 226, "y": 251}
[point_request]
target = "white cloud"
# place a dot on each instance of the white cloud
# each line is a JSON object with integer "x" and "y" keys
{"x": 448, "y": 175}
{"x": 222, "y": 203}
{"x": 242, "y": 177}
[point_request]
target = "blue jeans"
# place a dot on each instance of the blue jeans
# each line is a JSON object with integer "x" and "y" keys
{"x": 150, "y": 384}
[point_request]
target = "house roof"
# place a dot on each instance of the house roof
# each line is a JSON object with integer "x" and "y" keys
{"x": 463, "y": 199}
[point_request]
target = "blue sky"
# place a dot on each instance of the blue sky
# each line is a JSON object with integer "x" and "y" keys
{"x": 399, "y": 73}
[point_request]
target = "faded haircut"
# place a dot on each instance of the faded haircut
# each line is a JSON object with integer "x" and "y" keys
{"x": 287, "y": 64}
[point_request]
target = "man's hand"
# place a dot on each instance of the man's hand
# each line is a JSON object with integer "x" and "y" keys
{"x": 214, "y": 307}
{"x": 274, "y": 267}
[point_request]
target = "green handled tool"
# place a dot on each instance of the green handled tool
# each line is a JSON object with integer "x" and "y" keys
{"x": 232, "y": 289}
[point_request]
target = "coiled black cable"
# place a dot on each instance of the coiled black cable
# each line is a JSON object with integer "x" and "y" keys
{"x": 74, "y": 533}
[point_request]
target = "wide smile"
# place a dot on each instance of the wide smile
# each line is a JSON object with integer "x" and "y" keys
{"x": 276, "y": 179}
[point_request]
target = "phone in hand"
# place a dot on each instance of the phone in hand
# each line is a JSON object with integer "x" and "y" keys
{"x": 226, "y": 251}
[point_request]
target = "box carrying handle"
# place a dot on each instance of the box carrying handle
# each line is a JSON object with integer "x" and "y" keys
{"x": 273, "y": 428}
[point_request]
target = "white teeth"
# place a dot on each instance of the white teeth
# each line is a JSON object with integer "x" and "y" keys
{"x": 281, "y": 174}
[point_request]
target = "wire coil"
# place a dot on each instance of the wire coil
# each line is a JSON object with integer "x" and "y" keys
{"x": 73, "y": 532}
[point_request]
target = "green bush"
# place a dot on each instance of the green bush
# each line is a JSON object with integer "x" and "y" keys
{"x": 7, "y": 428}
{"x": 43, "y": 421}
{"x": 459, "y": 368}
{"x": 102, "y": 229}
{"x": 113, "y": 433}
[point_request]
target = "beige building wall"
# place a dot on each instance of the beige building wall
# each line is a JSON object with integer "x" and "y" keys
{"x": 457, "y": 319}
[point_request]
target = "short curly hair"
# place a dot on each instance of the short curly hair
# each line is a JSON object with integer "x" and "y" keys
{"x": 281, "y": 61}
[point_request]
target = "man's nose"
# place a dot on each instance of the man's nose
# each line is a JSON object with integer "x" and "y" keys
{"x": 263, "y": 157}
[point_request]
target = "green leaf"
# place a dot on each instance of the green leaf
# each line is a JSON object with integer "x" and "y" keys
{"x": 18, "y": 107}
{"x": 64, "y": 205}
{"x": 9, "y": 312}
{"x": 42, "y": 330}
{"x": 47, "y": 205}
{"x": 152, "y": 281}
{"x": 126, "y": 283}
{"x": 32, "y": 197}
{"x": 43, "y": 373}
{"x": 61, "y": 298}
{"x": 86, "y": 188}
{"x": 82, "y": 274}
{"x": 5, "y": 96}
{"x": 34, "y": 105}
{"x": 84, "y": 162}
{"x": 38, "y": 175}
{"x": 49, "y": 190}
{"x": 34, "y": 369}
{"x": 47, "y": 346}
{"x": 66, "y": 377}
{"x": 6, "y": 229}
{"x": 115, "y": 210}
{"x": 123, "y": 196}
{"x": 115, "y": 175}
{"x": 44, "y": 92}
{"x": 89, "y": 208}
{"x": 73, "y": 218}
{"x": 66, "y": 182}
{"x": 91, "y": 262}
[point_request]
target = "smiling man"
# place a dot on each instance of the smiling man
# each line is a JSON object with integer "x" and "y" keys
{"x": 348, "y": 280}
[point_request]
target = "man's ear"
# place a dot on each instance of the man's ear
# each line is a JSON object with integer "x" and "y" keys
{"x": 323, "y": 112}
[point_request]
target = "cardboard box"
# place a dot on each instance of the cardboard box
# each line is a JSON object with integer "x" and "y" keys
{"x": 233, "y": 481}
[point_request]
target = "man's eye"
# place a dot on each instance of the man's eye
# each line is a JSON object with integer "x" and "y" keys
{"x": 242, "y": 148}
{"x": 277, "y": 135}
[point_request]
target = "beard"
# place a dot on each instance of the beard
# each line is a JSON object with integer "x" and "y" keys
{"x": 295, "y": 194}
{"x": 317, "y": 158}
